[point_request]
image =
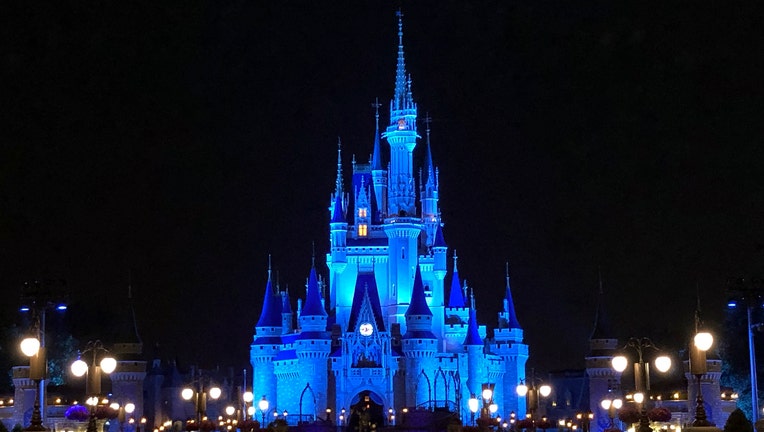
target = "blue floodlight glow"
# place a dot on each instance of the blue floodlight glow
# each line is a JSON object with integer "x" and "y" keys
{"x": 732, "y": 304}
{"x": 61, "y": 307}
{"x": 24, "y": 308}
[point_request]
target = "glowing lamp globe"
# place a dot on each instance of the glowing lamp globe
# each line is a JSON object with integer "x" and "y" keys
{"x": 663, "y": 363}
{"x": 493, "y": 408}
{"x": 263, "y": 404}
{"x": 522, "y": 390}
{"x": 79, "y": 368}
{"x": 251, "y": 410}
{"x": 619, "y": 363}
{"x": 605, "y": 404}
{"x": 639, "y": 397}
{"x": 108, "y": 365}
{"x": 248, "y": 397}
{"x": 30, "y": 346}
{"x": 215, "y": 392}
{"x": 129, "y": 407}
{"x": 487, "y": 393}
{"x": 114, "y": 406}
{"x": 473, "y": 404}
{"x": 703, "y": 341}
{"x": 229, "y": 410}
{"x": 545, "y": 390}
{"x": 617, "y": 403}
{"x": 187, "y": 393}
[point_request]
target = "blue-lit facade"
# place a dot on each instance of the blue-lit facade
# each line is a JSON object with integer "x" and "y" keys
{"x": 378, "y": 321}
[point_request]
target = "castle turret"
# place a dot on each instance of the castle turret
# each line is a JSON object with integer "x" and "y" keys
{"x": 456, "y": 313}
{"x": 127, "y": 379}
{"x": 419, "y": 343}
{"x": 338, "y": 225}
{"x": 473, "y": 346}
{"x": 429, "y": 195}
{"x": 266, "y": 343}
{"x": 440, "y": 253}
{"x": 378, "y": 173}
{"x": 401, "y": 135}
{"x": 508, "y": 344}
{"x": 602, "y": 377}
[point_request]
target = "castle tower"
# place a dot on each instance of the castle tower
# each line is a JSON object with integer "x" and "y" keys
{"x": 419, "y": 343}
{"x": 473, "y": 346}
{"x": 266, "y": 344}
{"x": 127, "y": 379}
{"x": 429, "y": 195}
{"x": 508, "y": 343}
{"x": 338, "y": 223}
{"x": 602, "y": 377}
{"x": 378, "y": 172}
{"x": 457, "y": 314}
{"x": 287, "y": 325}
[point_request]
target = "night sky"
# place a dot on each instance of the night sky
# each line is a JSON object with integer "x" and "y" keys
{"x": 174, "y": 145}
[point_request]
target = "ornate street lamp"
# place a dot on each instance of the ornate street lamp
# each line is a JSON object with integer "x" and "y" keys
{"x": 93, "y": 370}
{"x": 701, "y": 343}
{"x": 472, "y": 403}
{"x": 641, "y": 374}
{"x": 248, "y": 397}
{"x": 199, "y": 394}
{"x": 532, "y": 393}
{"x": 31, "y": 348}
{"x": 263, "y": 405}
{"x": 611, "y": 406}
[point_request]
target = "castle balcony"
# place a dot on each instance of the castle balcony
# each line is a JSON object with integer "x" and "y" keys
{"x": 366, "y": 372}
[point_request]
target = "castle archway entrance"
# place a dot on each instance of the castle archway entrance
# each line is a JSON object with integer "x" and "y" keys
{"x": 366, "y": 412}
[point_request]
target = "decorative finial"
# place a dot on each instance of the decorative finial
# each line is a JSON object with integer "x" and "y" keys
{"x": 269, "y": 266}
{"x": 506, "y": 271}
{"x": 455, "y": 258}
{"x": 338, "y": 185}
{"x": 313, "y": 257}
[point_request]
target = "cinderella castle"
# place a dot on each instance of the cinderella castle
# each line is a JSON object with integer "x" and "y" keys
{"x": 387, "y": 333}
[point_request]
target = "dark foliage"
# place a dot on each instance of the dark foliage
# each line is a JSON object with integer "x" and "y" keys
{"x": 738, "y": 422}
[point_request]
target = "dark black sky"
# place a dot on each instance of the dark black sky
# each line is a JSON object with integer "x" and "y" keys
{"x": 182, "y": 142}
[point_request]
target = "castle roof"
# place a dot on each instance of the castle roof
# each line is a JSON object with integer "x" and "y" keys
{"x": 511, "y": 314}
{"x": 313, "y": 305}
{"x": 366, "y": 303}
{"x": 473, "y": 337}
{"x": 439, "y": 241}
{"x": 456, "y": 297}
{"x": 418, "y": 304}
{"x": 270, "y": 316}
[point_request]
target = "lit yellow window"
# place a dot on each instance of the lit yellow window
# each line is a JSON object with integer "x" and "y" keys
{"x": 362, "y": 230}
{"x": 362, "y": 212}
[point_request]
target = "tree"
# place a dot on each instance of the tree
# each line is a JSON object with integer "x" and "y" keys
{"x": 738, "y": 422}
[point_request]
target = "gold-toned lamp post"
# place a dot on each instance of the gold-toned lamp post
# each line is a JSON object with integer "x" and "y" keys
{"x": 263, "y": 405}
{"x": 30, "y": 346}
{"x": 642, "y": 375}
{"x": 93, "y": 370}
{"x": 199, "y": 393}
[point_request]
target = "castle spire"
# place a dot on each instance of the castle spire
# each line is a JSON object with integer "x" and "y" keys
{"x": 338, "y": 183}
{"x": 376, "y": 158}
{"x": 473, "y": 336}
{"x": 601, "y": 328}
{"x": 456, "y": 298}
{"x": 270, "y": 316}
{"x": 402, "y": 85}
{"x": 429, "y": 170}
{"x": 313, "y": 306}
{"x": 509, "y": 307}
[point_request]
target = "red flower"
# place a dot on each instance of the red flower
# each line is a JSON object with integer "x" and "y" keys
{"x": 628, "y": 414}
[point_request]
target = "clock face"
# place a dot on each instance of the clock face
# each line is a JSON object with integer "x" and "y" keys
{"x": 401, "y": 124}
{"x": 365, "y": 329}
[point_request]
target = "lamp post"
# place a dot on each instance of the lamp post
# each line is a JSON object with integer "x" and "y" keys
{"x": 641, "y": 375}
{"x": 248, "y": 397}
{"x": 199, "y": 395}
{"x": 263, "y": 405}
{"x": 701, "y": 343}
{"x": 31, "y": 347}
{"x": 122, "y": 412}
{"x": 751, "y": 291}
{"x": 487, "y": 395}
{"x": 93, "y": 370}
{"x": 532, "y": 393}
{"x": 611, "y": 406}
{"x": 472, "y": 403}
{"x": 585, "y": 420}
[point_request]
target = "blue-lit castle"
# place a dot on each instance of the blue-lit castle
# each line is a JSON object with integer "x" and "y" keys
{"x": 387, "y": 333}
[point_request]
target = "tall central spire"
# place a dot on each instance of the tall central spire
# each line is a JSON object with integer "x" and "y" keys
{"x": 401, "y": 84}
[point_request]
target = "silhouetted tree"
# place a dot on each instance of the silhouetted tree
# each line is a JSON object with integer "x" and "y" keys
{"x": 738, "y": 422}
